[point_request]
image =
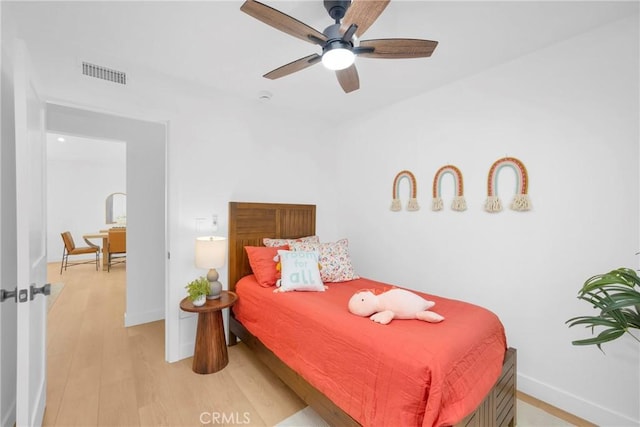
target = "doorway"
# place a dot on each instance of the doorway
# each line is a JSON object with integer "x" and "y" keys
{"x": 146, "y": 146}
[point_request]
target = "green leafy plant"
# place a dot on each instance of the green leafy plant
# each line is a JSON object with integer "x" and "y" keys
{"x": 616, "y": 295}
{"x": 198, "y": 288}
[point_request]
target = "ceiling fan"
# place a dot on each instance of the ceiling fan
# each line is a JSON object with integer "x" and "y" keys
{"x": 340, "y": 41}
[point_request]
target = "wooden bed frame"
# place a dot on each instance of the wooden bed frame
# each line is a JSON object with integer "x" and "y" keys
{"x": 249, "y": 223}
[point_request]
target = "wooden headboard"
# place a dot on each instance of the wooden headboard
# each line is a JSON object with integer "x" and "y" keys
{"x": 249, "y": 223}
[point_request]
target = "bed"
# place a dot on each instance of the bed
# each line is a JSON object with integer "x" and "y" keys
{"x": 352, "y": 402}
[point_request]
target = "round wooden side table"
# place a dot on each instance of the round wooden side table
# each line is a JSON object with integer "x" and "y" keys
{"x": 210, "y": 353}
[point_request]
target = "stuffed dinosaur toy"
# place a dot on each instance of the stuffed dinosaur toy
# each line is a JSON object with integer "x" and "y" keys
{"x": 392, "y": 304}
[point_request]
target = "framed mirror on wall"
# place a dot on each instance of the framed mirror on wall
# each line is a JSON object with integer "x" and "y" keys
{"x": 116, "y": 209}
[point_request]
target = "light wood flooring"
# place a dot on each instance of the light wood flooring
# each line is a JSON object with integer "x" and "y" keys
{"x": 101, "y": 373}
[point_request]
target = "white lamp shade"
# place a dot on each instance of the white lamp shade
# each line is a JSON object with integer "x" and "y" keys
{"x": 211, "y": 251}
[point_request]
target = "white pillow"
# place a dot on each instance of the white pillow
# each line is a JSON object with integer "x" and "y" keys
{"x": 299, "y": 271}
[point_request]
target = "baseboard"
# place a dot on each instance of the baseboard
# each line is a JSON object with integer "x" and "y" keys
{"x": 186, "y": 350}
{"x": 571, "y": 403}
{"x": 133, "y": 319}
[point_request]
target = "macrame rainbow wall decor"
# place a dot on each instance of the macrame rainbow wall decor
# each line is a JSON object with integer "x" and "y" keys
{"x": 412, "y": 205}
{"x": 459, "y": 203}
{"x": 521, "y": 200}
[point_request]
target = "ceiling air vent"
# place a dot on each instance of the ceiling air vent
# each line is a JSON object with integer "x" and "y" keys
{"x": 104, "y": 73}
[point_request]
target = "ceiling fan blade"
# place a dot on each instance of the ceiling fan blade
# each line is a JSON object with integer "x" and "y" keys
{"x": 363, "y": 13}
{"x": 294, "y": 66}
{"x": 348, "y": 79}
{"x": 283, "y": 22}
{"x": 396, "y": 48}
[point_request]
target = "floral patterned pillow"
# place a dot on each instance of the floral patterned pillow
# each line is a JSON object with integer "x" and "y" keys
{"x": 335, "y": 262}
{"x": 272, "y": 243}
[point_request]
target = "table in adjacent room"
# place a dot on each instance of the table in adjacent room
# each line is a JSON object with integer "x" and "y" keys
{"x": 105, "y": 245}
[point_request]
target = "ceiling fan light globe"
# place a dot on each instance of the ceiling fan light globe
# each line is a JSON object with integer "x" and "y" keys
{"x": 338, "y": 59}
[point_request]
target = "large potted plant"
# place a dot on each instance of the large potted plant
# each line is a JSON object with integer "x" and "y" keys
{"x": 616, "y": 295}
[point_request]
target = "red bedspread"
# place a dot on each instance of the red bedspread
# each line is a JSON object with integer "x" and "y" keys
{"x": 406, "y": 373}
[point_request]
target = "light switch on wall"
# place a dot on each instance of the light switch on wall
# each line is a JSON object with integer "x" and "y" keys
{"x": 207, "y": 225}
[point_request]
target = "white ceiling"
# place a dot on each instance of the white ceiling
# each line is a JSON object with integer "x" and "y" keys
{"x": 213, "y": 43}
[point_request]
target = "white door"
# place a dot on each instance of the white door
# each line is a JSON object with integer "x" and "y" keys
{"x": 8, "y": 307}
{"x": 30, "y": 245}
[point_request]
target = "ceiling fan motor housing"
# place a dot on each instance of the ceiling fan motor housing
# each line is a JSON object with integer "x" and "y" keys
{"x": 337, "y": 8}
{"x": 337, "y": 51}
{"x": 335, "y": 39}
{"x": 337, "y": 44}
{"x": 333, "y": 33}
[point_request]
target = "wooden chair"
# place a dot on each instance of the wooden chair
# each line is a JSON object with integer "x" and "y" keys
{"x": 71, "y": 249}
{"x": 117, "y": 247}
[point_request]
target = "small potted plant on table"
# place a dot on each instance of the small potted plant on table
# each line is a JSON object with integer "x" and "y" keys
{"x": 198, "y": 290}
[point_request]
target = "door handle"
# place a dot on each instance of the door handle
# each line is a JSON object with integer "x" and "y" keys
{"x": 5, "y": 295}
{"x": 44, "y": 290}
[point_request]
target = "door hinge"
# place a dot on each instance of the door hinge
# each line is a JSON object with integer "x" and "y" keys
{"x": 5, "y": 295}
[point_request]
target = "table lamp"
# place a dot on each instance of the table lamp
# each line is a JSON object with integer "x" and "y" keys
{"x": 211, "y": 253}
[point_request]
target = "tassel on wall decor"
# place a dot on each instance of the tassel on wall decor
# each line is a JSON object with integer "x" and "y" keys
{"x": 412, "y": 204}
{"x": 521, "y": 201}
{"x": 459, "y": 203}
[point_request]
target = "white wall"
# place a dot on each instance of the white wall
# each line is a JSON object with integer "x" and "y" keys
{"x": 81, "y": 173}
{"x": 222, "y": 150}
{"x": 570, "y": 113}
